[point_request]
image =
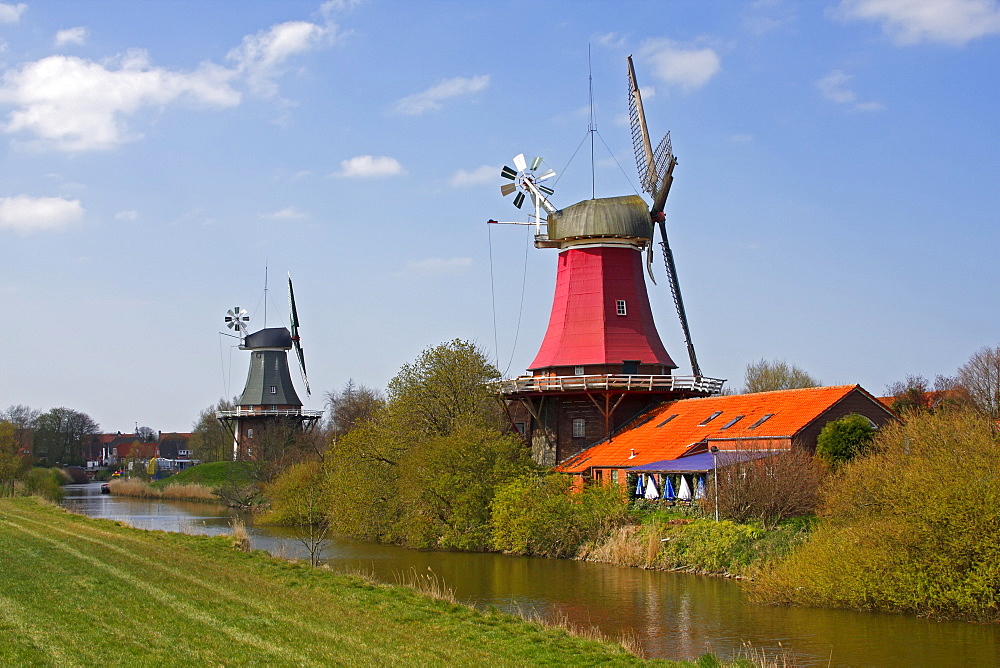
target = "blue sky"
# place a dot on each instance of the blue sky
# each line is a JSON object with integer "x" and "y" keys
{"x": 835, "y": 204}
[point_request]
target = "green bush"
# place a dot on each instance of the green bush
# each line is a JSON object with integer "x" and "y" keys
{"x": 44, "y": 482}
{"x": 544, "y": 515}
{"x": 914, "y": 526}
{"x": 842, "y": 440}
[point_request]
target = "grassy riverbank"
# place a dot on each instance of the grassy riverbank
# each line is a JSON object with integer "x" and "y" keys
{"x": 682, "y": 541}
{"x": 79, "y": 591}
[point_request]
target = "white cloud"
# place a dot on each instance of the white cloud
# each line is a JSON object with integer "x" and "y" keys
{"x": 288, "y": 213}
{"x": 369, "y": 166}
{"x": 436, "y": 267}
{"x": 260, "y": 57}
{"x": 834, "y": 88}
{"x": 473, "y": 177}
{"x": 76, "y": 35}
{"x": 764, "y": 16}
{"x": 686, "y": 68}
{"x": 129, "y": 216}
{"x": 954, "y": 22}
{"x": 74, "y": 104}
{"x": 24, "y": 214}
{"x": 11, "y": 13}
{"x": 430, "y": 99}
{"x": 611, "y": 39}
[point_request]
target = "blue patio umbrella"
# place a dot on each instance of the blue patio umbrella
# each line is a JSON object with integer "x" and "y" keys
{"x": 639, "y": 487}
{"x": 668, "y": 489}
{"x": 700, "y": 492}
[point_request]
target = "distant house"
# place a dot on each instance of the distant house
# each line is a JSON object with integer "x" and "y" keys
{"x": 765, "y": 421}
{"x": 175, "y": 445}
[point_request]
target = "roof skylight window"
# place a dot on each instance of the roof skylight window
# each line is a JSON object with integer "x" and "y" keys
{"x": 709, "y": 418}
{"x": 733, "y": 421}
{"x": 666, "y": 421}
{"x": 761, "y": 421}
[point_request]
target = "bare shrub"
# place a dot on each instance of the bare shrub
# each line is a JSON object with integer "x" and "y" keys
{"x": 768, "y": 487}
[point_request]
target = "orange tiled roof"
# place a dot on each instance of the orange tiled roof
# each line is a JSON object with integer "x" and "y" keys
{"x": 658, "y": 436}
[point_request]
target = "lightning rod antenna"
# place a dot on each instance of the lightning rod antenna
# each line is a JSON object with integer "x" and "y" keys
{"x": 592, "y": 127}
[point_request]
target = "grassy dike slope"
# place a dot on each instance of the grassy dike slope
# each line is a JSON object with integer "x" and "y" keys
{"x": 80, "y": 591}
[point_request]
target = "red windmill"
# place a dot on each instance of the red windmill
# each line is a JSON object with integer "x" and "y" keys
{"x": 601, "y": 361}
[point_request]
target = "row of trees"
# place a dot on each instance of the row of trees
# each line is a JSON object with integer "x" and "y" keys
{"x": 57, "y": 436}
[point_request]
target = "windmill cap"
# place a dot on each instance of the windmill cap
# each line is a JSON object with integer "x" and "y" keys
{"x": 619, "y": 217}
{"x": 272, "y": 337}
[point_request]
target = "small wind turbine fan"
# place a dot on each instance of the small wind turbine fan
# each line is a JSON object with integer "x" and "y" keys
{"x": 237, "y": 318}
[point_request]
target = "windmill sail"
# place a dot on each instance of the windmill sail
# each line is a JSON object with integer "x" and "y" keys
{"x": 656, "y": 173}
{"x": 294, "y": 328}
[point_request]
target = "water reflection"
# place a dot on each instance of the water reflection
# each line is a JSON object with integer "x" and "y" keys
{"x": 674, "y": 616}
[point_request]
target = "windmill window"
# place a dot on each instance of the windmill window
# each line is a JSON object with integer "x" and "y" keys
{"x": 578, "y": 371}
{"x": 733, "y": 421}
{"x": 521, "y": 428}
{"x": 666, "y": 421}
{"x": 249, "y": 433}
{"x": 709, "y": 418}
{"x": 620, "y": 306}
{"x": 274, "y": 407}
{"x": 274, "y": 389}
{"x": 761, "y": 421}
{"x": 579, "y": 428}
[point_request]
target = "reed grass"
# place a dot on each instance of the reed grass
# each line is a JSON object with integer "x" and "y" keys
{"x": 176, "y": 492}
{"x": 241, "y": 538}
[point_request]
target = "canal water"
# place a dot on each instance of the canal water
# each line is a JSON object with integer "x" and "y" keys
{"x": 673, "y": 615}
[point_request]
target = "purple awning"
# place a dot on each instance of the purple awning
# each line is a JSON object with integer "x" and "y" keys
{"x": 703, "y": 461}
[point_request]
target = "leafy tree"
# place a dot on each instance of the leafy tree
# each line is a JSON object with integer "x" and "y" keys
{"x": 980, "y": 377}
{"x": 446, "y": 484}
{"x": 440, "y": 416}
{"x": 842, "y": 440}
{"x": 447, "y": 385}
{"x": 60, "y": 434}
{"x": 13, "y": 465}
{"x": 769, "y": 375}
{"x": 210, "y": 441}
{"x": 301, "y": 498}
{"x": 352, "y": 406}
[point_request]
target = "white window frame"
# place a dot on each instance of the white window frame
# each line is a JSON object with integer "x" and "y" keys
{"x": 578, "y": 371}
{"x": 274, "y": 389}
{"x": 620, "y": 308}
{"x": 579, "y": 428}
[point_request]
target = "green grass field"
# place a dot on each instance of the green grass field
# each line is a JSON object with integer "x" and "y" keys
{"x": 212, "y": 474}
{"x": 81, "y": 591}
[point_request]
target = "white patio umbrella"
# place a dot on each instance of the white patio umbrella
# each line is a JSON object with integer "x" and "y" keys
{"x": 651, "y": 492}
{"x": 685, "y": 491}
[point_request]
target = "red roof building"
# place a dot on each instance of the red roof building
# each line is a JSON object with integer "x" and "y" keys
{"x": 762, "y": 421}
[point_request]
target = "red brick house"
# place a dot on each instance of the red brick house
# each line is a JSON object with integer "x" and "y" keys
{"x": 779, "y": 420}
